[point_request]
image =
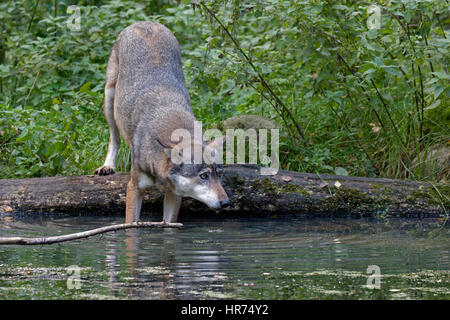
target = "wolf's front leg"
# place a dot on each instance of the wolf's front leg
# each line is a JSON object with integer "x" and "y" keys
{"x": 172, "y": 205}
{"x": 134, "y": 202}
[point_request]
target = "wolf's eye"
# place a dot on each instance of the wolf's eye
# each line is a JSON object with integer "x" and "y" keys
{"x": 204, "y": 176}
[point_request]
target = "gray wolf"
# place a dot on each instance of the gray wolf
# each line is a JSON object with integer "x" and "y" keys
{"x": 145, "y": 101}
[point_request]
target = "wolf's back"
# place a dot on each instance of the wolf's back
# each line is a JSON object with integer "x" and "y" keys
{"x": 149, "y": 55}
{"x": 150, "y": 77}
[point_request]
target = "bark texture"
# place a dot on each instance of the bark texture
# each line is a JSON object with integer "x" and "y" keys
{"x": 249, "y": 192}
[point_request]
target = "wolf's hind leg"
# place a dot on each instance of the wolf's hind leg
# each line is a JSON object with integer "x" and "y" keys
{"x": 172, "y": 205}
{"x": 114, "y": 137}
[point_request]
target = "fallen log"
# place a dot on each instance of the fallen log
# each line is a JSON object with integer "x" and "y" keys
{"x": 284, "y": 193}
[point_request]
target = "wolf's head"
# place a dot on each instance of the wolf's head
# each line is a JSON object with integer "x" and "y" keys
{"x": 200, "y": 180}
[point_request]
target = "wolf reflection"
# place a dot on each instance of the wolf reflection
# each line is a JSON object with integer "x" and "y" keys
{"x": 164, "y": 275}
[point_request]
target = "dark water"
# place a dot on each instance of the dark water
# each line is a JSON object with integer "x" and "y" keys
{"x": 216, "y": 258}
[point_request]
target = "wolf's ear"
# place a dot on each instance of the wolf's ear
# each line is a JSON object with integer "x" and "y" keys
{"x": 169, "y": 149}
{"x": 217, "y": 142}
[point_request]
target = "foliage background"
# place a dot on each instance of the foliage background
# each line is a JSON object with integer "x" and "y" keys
{"x": 349, "y": 100}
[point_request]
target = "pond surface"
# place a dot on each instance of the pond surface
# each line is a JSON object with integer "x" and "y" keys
{"x": 228, "y": 258}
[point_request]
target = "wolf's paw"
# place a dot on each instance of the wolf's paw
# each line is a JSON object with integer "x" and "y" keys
{"x": 104, "y": 171}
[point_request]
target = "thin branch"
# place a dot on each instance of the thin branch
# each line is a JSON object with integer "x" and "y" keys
{"x": 399, "y": 66}
{"x": 271, "y": 102}
{"x": 32, "y": 87}
{"x": 429, "y": 56}
{"x": 422, "y": 95}
{"x": 387, "y": 112}
{"x": 85, "y": 234}
{"x": 440, "y": 24}
{"x": 32, "y": 16}
{"x": 416, "y": 95}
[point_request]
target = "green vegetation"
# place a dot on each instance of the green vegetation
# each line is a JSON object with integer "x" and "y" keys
{"x": 349, "y": 99}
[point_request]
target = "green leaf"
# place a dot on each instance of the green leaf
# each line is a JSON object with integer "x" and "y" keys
{"x": 24, "y": 135}
{"x": 434, "y": 105}
{"x": 442, "y": 75}
{"x": 393, "y": 70}
{"x": 372, "y": 34}
{"x": 437, "y": 91}
{"x": 86, "y": 86}
{"x": 340, "y": 7}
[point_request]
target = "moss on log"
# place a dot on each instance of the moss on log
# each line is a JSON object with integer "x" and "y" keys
{"x": 249, "y": 192}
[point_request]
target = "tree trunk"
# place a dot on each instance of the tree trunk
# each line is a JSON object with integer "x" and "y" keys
{"x": 249, "y": 192}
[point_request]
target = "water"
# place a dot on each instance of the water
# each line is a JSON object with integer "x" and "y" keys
{"x": 226, "y": 257}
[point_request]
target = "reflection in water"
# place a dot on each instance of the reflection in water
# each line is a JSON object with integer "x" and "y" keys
{"x": 112, "y": 262}
{"x": 149, "y": 283}
{"x": 274, "y": 258}
{"x": 153, "y": 277}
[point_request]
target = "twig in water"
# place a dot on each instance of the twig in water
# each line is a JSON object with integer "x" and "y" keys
{"x": 85, "y": 234}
